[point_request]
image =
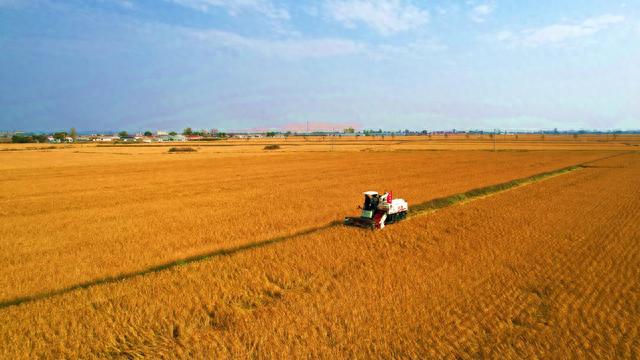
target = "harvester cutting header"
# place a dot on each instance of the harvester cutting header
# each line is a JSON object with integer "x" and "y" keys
{"x": 379, "y": 210}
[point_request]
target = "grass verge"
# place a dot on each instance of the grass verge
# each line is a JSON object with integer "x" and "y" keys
{"x": 182, "y": 149}
{"x": 443, "y": 202}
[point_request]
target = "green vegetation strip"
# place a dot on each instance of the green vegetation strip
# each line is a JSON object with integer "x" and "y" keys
{"x": 439, "y": 203}
{"x": 164, "y": 266}
{"x": 422, "y": 208}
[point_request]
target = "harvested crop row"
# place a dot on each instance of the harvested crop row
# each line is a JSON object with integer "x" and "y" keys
{"x": 545, "y": 270}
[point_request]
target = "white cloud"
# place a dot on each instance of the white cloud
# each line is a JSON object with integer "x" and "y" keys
{"x": 447, "y": 9}
{"x": 281, "y": 48}
{"x": 304, "y": 48}
{"x": 479, "y": 13}
{"x": 235, "y": 7}
{"x": 296, "y": 48}
{"x": 418, "y": 49}
{"x": 558, "y": 34}
{"x": 384, "y": 16}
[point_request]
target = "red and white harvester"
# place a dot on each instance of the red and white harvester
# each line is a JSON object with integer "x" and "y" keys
{"x": 379, "y": 210}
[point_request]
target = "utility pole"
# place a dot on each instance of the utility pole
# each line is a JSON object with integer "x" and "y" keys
{"x": 333, "y": 135}
{"x": 494, "y": 140}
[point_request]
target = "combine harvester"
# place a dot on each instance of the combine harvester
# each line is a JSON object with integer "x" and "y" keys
{"x": 378, "y": 211}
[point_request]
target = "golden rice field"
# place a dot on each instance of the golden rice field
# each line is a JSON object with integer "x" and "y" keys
{"x": 233, "y": 251}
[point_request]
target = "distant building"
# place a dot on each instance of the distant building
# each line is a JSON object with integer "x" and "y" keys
{"x": 6, "y": 134}
{"x": 164, "y": 138}
{"x": 161, "y": 133}
{"x": 106, "y": 138}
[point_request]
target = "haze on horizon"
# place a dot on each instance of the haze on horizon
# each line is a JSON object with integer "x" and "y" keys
{"x": 256, "y": 64}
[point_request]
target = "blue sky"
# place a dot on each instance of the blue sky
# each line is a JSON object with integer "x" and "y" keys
{"x": 257, "y": 64}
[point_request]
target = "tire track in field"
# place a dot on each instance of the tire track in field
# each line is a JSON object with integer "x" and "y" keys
{"x": 416, "y": 210}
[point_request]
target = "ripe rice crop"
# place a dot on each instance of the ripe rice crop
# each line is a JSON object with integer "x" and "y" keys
{"x": 70, "y": 224}
{"x": 548, "y": 270}
{"x": 502, "y": 142}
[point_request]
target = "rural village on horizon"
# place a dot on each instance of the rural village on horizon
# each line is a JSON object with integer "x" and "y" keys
{"x": 188, "y": 134}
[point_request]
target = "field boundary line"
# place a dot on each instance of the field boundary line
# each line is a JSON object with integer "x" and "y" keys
{"x": 433, "y": 205}
{"x": 165, "y": 266}
{"x": 483, "y": 192}
{"x": 423, "y": 208}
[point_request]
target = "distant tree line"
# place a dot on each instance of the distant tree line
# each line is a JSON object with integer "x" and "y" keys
{"x": 24, "y": 139}
{"x": 40, "y": 138}
{"x": 204, "y": 133}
